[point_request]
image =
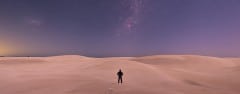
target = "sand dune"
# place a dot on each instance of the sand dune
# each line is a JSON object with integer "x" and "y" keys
{"x": 161, "y": 74}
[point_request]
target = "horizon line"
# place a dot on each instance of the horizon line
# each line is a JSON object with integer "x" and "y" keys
{"x": 120, "y": 56}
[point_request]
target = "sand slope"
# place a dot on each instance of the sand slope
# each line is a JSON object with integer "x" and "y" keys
{"x": 162, "y": 74}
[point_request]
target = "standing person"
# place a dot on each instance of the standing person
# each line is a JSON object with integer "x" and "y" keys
{"x": 120, "y": 74}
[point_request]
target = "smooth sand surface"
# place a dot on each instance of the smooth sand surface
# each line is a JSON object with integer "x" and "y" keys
{"x": 161, "y": 74}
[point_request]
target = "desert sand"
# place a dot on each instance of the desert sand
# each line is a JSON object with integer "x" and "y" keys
{"x": 159, "y": 74}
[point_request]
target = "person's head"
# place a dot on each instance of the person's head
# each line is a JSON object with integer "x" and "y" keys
{"x": 120, "y": 70}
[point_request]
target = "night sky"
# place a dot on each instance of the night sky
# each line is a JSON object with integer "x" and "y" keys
{"x": 101, "y": 28}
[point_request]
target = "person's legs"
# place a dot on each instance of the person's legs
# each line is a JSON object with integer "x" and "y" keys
{"x": 118, "y": 80}
{"x": 121, "y": 79}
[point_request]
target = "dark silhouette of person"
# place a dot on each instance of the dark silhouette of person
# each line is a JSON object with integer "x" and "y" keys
{"x": 120, "y": 74}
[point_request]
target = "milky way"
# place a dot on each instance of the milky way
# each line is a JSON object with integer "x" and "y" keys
{"x": 133, "y": 11}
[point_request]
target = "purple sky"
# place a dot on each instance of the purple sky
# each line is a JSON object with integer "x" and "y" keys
{"x": 102, "y": 28}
